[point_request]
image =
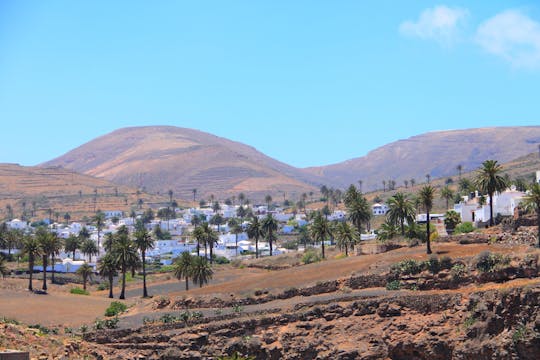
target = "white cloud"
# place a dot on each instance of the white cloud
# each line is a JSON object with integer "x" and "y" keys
{"x": 440, "y": 23}
{"x": 513, "y": 36}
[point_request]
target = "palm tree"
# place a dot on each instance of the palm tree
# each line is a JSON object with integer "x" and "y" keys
{"x": 125, "y": 254}
{"x": 67, "y": 217}
{"x": 255, "y": 231}
{"x": 236, "y": 229}
{"x": 268, "y": 200}
{"x": 489, "y": 181}
{"x": 413, "y": 181}
{"x": 194, "y": 191}
{"x": 143, "y": 242}
{"x": 107, "y": 267}
{"x": 99, "y": 220}
{"x": 406, "y": 183}
{"x": 384, "y": 185}
{"x": 428, "y": 178}
{"x": 447, "y": 194}
{"x": 72, "y": 244}
{"x": 89, "y": 248}
{"x": 210, "y": 239}
{"x": 85, "y": 271}
{"x": 459, "y": 168}
{"x": 183, "y": 267}
{"x": 532, "y": 201}
{"x": 359, "y": 212}
{"x": 320, "y": 230}
{"x": 32, "y": 249}
{"x": 426, "y": 195}
{"x": 218, "y": 221}
{"x": 44, "y": 238}
{"x": 401, "y": 210}
{"x": 199, "y": 235}
{"x": 201, "y": 271}
{"x": 269, "y": 226}
{"x": 346, "y": 236}
{"x": 56, "y": 245}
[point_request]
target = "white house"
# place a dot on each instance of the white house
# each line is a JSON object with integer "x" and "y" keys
{"x": 17, "y": 224}
{"x": 538, "y": 177}
{"x": 109, "y": 214}
{"x": 379, "y": 209}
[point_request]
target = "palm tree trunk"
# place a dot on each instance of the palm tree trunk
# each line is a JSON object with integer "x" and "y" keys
{"x": 198, "y": 247}
{"x": 145, "y": 291}
{"x": 123, "y": 292}
{"x": 84, "y": 282}
{"x": 490, "y": 209}
{"x": 256, "y": 248}
{"x": 111, "y": 296}
{"x": 211, "y": 253}
{"x": 52, "y": 268}
{"x": 74, "y": 254}
{"x": 44, "y": 287}
{"x": 187, "y": 283}
{"x": 31, "y": 268}
{"x": 322, "y": 247}
{"x": 428, "y": 233}
{"x": 402, "y": 227}
{"x": 236, "y": 241}
{"x": 538, "y": 222}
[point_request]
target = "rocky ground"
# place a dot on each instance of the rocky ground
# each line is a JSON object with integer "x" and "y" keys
{"x": 478, "y": 298}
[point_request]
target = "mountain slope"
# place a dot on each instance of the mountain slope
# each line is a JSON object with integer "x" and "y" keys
{"x": 159, "y": 158}
{"x": 41, "y": 190}
{"x": 436, "y": 153}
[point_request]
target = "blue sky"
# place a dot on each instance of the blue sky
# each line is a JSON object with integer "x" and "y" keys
{"x": 307, "y": 82}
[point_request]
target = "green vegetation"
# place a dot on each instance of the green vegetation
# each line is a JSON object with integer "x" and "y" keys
{"x": 464, "y": 228}
{"x": 407, "y": 267}
{"x": 310, "y": 256}
{"x": 489, "y": 262}
{"x": 79, "y": 291}
{"x": 393, "y": 285}
{"x": 115, "y": 309}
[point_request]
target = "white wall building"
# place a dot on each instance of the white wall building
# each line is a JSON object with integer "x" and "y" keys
{"x": 379, "y": 209}
{"x": 17, "y": 224}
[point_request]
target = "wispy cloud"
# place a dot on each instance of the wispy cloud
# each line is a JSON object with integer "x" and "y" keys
{"x": 513, "y": 36}
{"x": 440, "y": 23}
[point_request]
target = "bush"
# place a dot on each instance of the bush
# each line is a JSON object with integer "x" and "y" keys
{"x": 103, "y": 286}
{"x": 291, "y": 245}
{"x": 407, "y": 267}
{"x": 115, "y": 308}
{"x": 311, "y": 256}
{"x": 433, "y": 264}
{"x": 393, "y": 285}
{"x": 488, "y": 262}
{"x": 221, "y": 260}
{"x": 458, "y": 272}
{"x": 79, "y": 291}
{"x": 464, "y": 228}
{"x": 446, "y": 262}
{"x": 106, "y": 324}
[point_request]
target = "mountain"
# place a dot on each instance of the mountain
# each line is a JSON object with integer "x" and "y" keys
{"x": 163, "y": 158}
{"x": 41, "y": 190}
{"x": 435, "y": 153}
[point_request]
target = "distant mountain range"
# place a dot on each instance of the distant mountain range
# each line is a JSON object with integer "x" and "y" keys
{"x": 162, "y": 158}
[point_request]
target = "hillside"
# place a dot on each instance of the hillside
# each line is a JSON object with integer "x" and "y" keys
{"x": 40, "y": 189}
{"x": 436, "y": 153}
{"x": 159, "y": 158}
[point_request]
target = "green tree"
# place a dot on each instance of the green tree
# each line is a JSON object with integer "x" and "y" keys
{"x": 143, "y": 242}
{"x": 268, "y": 201}
{"x": 201, "y": 271}
{"x": 489, "y": 181}
{"x": 32, "y": 249}
{"x": 426, "y": 196}
{"x": 199, "y": 235}
{"x": 359, "y": 212}
{"x": 532, "y": 202}
{"x": 447, "y": 194}
{"x": 72, "y": 244}
{"x": 45, "y": 239}
{"x": 107, "y": 267}
{"x": 269, "y": 226}
{"x": 99, "y": 220}
{"x": 236, "y": 229}
{"x": 183, "y": 267}
{"x": 56, "y": 244}
{"x": 67, "y": 217}
{"x": 255, "y": 231}
{"x": 12, "y": 238}
{"x": 3, "y": 267}
{"x": 387, "y": 231}
{"x": 210, "y": 239}
{"x": 194, "y": 191}
{"x": 346, "y": 236}
{"x": 85, "y": 271}
{"x": 400, "y": 210}
{"x": 125, "y": 254}
{"x": 320, "y": 230}
{"x": 89, "y": 248}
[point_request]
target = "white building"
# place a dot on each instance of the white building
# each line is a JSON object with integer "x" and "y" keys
{"x": 109, "y": 214}
{"x": 379, "y": 209}
{"x": 17, "y": 224}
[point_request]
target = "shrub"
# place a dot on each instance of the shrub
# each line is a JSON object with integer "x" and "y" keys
{"x": 393, "y": 285}
{"x": 103, "y": 286}
{"x": 79, "y": 291}
{"x": 458, "y": 271}
{"x": 221, "y": 260}
{"x": 464, "y": 228}
{"x": 311, "y": 256}
{"x": 446, "y": 262}
{"x": 106, "y": 324}
{"x": 407, "y": 267}
{"x": 488, "y": 262}
{"x": 433, "y": 264}
{"x": 115, "y": 308}
{"x": 291, "y": 245}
